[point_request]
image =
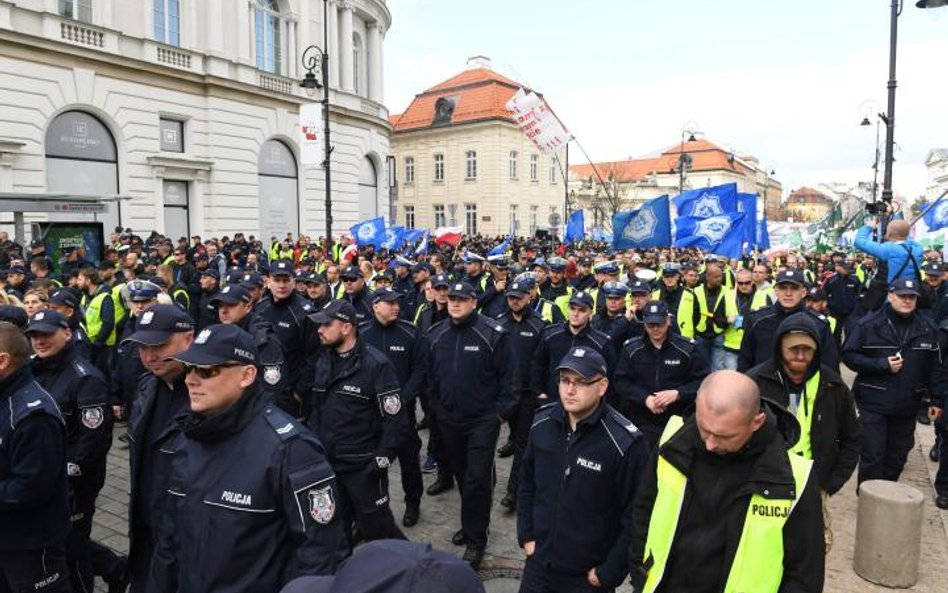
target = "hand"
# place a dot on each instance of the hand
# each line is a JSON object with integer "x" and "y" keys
{"x": 872, "y": 222}
{"x": 529, "y": 548}
{"x": 667, "y": 397}
{"x": 593, "y": 578}
{"x": 935, "y": 413}
{"x": 731, "y": 319}
{"x": 654, "y": 405}
{"x": 895, "y": 364}
{"x": 117, "y": 412}
{"x": 500, "y": 285}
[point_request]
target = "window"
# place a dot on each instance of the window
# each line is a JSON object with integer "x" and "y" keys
{"x": 356, "y": 61}
{"x": 172, "y": 135}
{"x": 79, "y": 10}
{"x": 533, "y": 220}
{"x": 553, "y": 171}
{"x": 267, "y": 31}
{"x": 513, "y": 164}
{"x": 168, "y": 21}
{"x": 513, "y": 219}
{"x": 439, "y": 219}
{"x": 471, "y": 170}
{"x": 439, "y": 167}
{"x": 470, "y": 219}
{"x": 534, "y": 167}
{"x": 409, "y": 217}
{"x": 409, "y": 169}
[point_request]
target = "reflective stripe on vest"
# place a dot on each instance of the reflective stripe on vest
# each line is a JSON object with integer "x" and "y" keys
{"x": 832, "y": 322}
{"x": 686, "y": 322}
{"x": 94, "y": 319}
{"x": 562, "y": 302}
{"x": 762, "y": 299}
{"x": 804, "y": 414}
{"x": 732, "y": 335}
{"x": 758, "y": 562}
{"x": 704, "y": 313}
{"x": 546, "y": 310}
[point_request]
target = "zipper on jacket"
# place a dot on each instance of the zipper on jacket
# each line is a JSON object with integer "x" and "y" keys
{"x": 564, "y": 474}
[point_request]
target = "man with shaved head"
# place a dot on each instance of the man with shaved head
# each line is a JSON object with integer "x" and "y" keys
{"x": 725, "y": 505}
{"x": 903, "y": 254}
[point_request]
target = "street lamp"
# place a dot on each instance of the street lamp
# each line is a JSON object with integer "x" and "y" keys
{"x": 875, "y": 165}
{"x": 685, "y": 159}
{"x": 313, "y": 56}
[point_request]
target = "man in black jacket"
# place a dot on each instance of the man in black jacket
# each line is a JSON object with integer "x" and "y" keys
{"x": 724, "y": 466}
{"x": 34, "y": 515}
{"x": 358, "y": 413}
{"x": 576, "y": 530}
{"x": 895, "y": 353}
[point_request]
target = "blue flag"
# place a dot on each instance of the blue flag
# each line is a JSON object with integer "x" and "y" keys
{"x": 500, "y": 249}
{"x": 763, "y": 235}
{"x": 369, "y": 232}
{"x": 747, "y": 203}
{"x": 600, "y": 234}
{"x": 936, "y": 217}
{"x": 721, "y": 235}
{"x": 649, "y": 226}
{"x": 412, "y": 235}
{"x": 394, "y": 238}
{"x": 708, "y": 201}
{"x": 575, "y": 227}
{"x": 423, "y": 245}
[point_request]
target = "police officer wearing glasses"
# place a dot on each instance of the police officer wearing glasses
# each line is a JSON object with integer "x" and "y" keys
{"x": 252, "y": 498}
{"x": 580, "y": 473}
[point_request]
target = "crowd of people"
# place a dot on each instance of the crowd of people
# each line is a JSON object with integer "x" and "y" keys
{"x": 674, "y": 418}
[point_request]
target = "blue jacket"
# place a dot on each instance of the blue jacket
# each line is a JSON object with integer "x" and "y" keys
{"x": 524, "y": 338}
{"x": 896, "y": 254}
{"x": 403, "y": 345}
{"x": 252, "y": 503}
{"x": 33, "y": 509}
{"x": 577, "y": 489}
{"x": 878, "y": 336}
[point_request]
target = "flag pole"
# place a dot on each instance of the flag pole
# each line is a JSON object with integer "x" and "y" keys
{"x": 930, "y": 206}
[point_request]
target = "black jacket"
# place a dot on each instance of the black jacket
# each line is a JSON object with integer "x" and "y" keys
{"x": 557, "y": 340}
{"x": 471, "y": 369}
{"x": 293, "y": 330}
{"x": 879, "y": 335}
{"x": 715, "y": 503}
{"x": 760, "y": 330}
{"x": 33, "y": 508}
{"x": 357, "y": 407}
{"x": 842, "y": 294}
{"x": 403, "y": 346}
{"x": 271, "y": 361}
{"x": 83, "y": 396}
{"x": 251, "y": 503}
{"x": 577, "y": 489}
{"x": 835, "y": 432}
{"x": 123, "y": 380}
{"x": 524, "y": 339}
{"x": 206, "y": 312}
{"x": 642, "y": 370}
{"x": 362, "y": 301}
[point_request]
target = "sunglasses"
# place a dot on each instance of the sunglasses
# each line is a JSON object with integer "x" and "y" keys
{"x": 744, "y": 283}
{"x": 207, "y": 372}
{"x": 349, "y": 279}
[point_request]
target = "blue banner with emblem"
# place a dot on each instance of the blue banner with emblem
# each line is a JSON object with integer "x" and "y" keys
{"x": 708, "y": 201}
{"x": 720, "y": 235}
{"x": 649, "y": 226}
{"x": 369, "y": 232}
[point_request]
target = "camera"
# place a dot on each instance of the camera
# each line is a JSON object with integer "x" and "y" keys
{"x": 876, "y": 208}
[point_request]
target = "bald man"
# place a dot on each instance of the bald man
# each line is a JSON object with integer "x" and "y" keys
{"x": 903, "y": 254}
{"x": 717, "y": 470}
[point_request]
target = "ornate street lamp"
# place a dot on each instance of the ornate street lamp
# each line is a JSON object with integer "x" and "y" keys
{"x": 314, "y": 57}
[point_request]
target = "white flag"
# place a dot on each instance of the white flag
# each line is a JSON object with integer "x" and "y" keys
{"x": 311, "y": 134}
{"x": 536, "y": 120}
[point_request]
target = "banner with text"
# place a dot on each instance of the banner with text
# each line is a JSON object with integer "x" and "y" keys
{"x": 537, "y": 121}
{"x": 310, "y": 136}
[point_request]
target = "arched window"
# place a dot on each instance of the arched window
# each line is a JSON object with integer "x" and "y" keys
{"x": 267, "y": 33}
{"x": 356, "y": 62}
{"x": 167, "y": 21}
{"x": 368, "y": 189}
{"x": 278, "y": 187}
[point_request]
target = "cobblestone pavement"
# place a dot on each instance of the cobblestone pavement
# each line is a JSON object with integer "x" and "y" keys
{"x": 440, "y": 517}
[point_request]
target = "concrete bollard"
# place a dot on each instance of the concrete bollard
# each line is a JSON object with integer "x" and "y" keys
{"x": 888, "y": 533}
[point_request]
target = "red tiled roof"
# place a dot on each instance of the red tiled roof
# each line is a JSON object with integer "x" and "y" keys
{"x": 705, "y": 155}
{"x": 479, "y": 94}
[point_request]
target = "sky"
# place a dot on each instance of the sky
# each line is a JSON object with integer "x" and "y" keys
{"x": 788, "y": 82}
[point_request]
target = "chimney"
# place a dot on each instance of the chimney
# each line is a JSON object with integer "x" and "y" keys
{"x": 476, "y": 62}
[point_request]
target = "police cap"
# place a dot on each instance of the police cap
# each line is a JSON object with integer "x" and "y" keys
{"x": 655, "y": 312}
{"x": 341, "y": 310}
{"x": 47, "y": 322}
{"x": 158, "y": 323}
{"x": 585, "y": 361}
{"x": 220, "y": 344}
{"x": 232, "y": 294}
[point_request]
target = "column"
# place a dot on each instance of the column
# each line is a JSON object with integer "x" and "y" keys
{"x": 333, "y": 46}
{"x": 292, "y": 62}
{"x": 374, "y": 57}
{"x": 245, "y": 42}
{"x": 381, "y": 68}
{"x": 214, "y": 33}
{"x": 345, "y": 47}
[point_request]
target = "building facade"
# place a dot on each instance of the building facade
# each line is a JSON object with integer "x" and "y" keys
{"x": 601, "y": 189}
{"x": 187, "y": 110}
{"x": 937, "y": 166}
{"x": 807, "y": 204}
{"x": 463, "y": 161}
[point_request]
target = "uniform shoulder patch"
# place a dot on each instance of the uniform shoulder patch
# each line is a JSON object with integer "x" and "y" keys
{"x": 285, "y": 427}
{"x": 81, "y": 368}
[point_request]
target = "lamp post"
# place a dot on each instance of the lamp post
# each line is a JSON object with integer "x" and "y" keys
{"x": 875, "y": 164}
{"x": 684, "y": 159}
{"x": 313, "y": 56}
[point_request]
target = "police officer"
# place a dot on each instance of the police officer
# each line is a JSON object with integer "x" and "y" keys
{"x": 403, "y": 282}
{"x": 558, "y": 290}
{"x": 493, "y": 302}
{"x": 657, "y": 375}
{"x": 82, "y": 394}
{"x": 471, "y": 376}
{"x": 247, "y": 474}
{"x": 357, "y": 293}
{"x": 234, "y": 308}
{"x": 760, "y": 329}
{"x": 317, "y": 290}
{"x": 842, "y": 293}
{"x": 123, "y": 382}
{"x": 559, "y": 338}
{"x": 162, "y": 331}
{"x": 358, "y": 412}
{"x": 525, "y": 327}
{"x": 401, "y": 343}
{"x": 287, "y": 311}
{"x": 580, "y": 472}
{"x": 724, "y": 506}
{"x": 34, "y": 516}
{"x": 64, "y": 301}
{"x": 206, "y": 314}
{"x": 475, "y": 274}
{"x": 614, "y": 319}
{"x": 894, "y": 352}
{"x": 639, "y": 293}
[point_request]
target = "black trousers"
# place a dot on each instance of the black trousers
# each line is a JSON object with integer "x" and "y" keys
{"x": 521, "y": 423}
{"x": 412, "y": 484}
{"x": 363, "y": 499}
{"x": 436, "y": 446}
{"x": 540, "y": 579}
{"x": 886, "y": 442}
{"x": 941, "y": 441}
{"x": 34, "y": 571}
{"x": 470, "y": 447}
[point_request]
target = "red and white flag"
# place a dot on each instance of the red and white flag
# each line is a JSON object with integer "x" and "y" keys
{"x": 448, "y": 234}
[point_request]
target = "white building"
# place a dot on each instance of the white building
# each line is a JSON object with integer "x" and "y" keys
{"x": 937, "y": 165}
{"x": 188, "y": 109}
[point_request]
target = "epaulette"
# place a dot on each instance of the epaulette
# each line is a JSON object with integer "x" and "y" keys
{"x": 80, "y": 368}
{"x": 285, "y": 427}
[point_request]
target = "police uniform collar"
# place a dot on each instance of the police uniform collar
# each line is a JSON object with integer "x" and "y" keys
{"x": 466, "y": 321}
{"x": 562, "y": 416}
{"x": 57, "y": 360}
{"x": 19, "y": 377}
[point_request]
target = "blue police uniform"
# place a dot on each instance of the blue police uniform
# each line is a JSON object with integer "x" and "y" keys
{"x": 575, "y": 499}
{"x": 288, "y": 318}
{"x": 34, "y": 516}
